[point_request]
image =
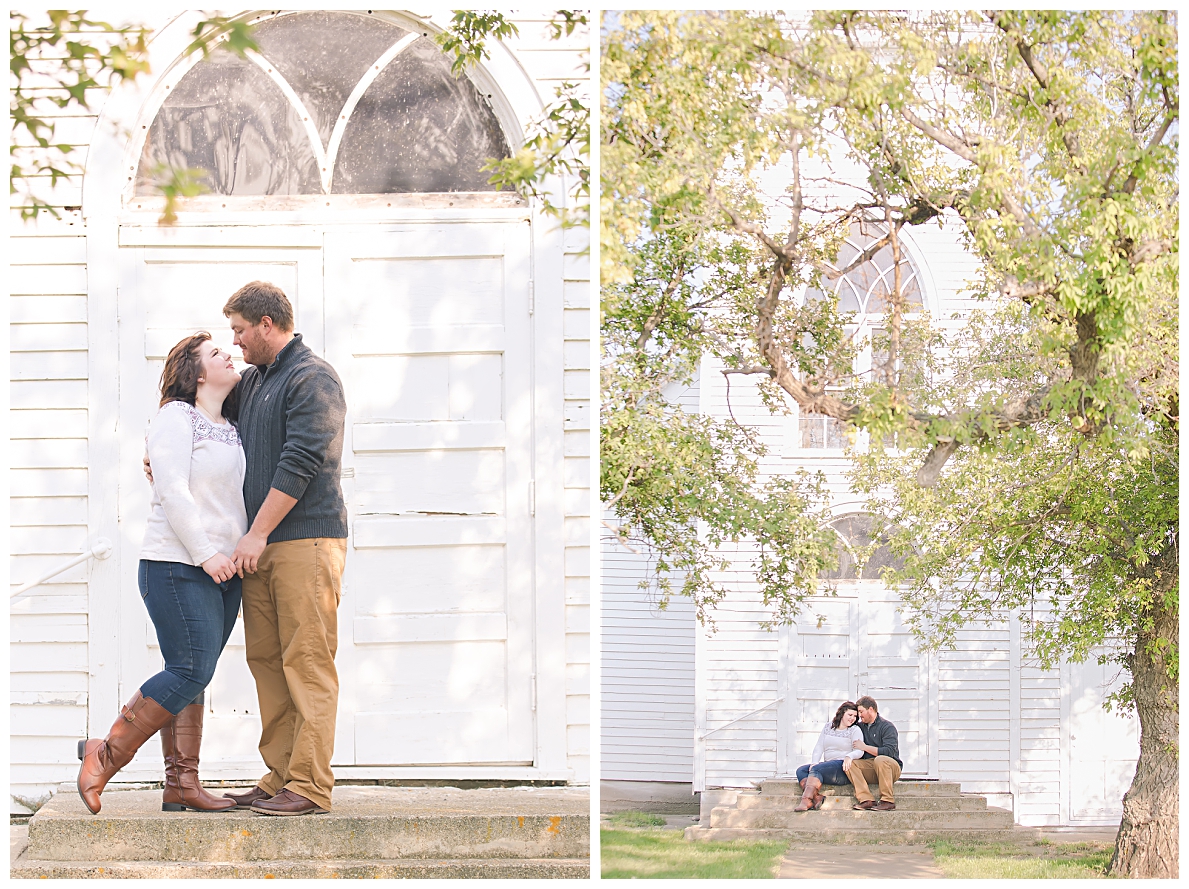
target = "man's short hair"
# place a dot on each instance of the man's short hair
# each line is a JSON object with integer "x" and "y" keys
{"x": 254, "y": 301}
{"x": 868, "y": 703}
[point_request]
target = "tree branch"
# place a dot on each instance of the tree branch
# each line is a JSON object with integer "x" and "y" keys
{"x": 1041, "y": 74}
{"x": 963, "y": 149}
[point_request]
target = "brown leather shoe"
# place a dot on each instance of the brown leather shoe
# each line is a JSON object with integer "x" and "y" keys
{"x": 245, "y": 800}
{"x": 884, "y": 806}
{"x": 865, "y": 804}
{"x": 138, "y": 721}
{"x": 288, "y": 803}
{"x": 181, "y": 739}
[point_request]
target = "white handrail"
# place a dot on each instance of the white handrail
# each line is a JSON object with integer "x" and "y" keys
{"x": 767, "y": 706}
{"x": 102, "y": 549}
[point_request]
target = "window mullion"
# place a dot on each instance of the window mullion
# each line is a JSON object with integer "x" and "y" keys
{"x": 340, "y": 125}
{"x": 307, "y": 119}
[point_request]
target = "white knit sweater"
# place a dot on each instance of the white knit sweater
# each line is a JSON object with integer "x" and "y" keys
{"x": 836, "y": 743}
{"x": 198, "y": 478}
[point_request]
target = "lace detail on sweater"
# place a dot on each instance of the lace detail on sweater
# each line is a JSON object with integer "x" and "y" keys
{"x": 838, "y": 732}
{"x": 204, "y": 429}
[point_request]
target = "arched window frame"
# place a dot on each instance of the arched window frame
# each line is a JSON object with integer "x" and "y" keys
{"x": 799, "y": 427}
{"x": 509, "y": 122}
{"x": 851, "y": 547}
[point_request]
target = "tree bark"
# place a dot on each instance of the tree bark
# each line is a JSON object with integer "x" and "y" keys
{"x": 1147, "y": 844}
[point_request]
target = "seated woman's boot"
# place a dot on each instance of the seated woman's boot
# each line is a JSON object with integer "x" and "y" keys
{"x": 181, "y": 739}
{"x": 811, "y": 786}
{"x": 138, "y": 721}
{"x": 818, "y": 796}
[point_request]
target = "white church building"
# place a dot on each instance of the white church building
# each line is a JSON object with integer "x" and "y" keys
{"x": 686, "y": 710}
{"x": 343, "y": 164}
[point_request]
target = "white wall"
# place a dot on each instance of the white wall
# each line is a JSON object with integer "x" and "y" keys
{"x": 647, "y": 683}
{"x": 48, "y": 501}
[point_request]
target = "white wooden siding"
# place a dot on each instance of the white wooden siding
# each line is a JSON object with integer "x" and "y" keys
{"x": 49, "y": 477}
{"x": 47, "y": 503}
{"x": 647, "y": 683}
{"x": 974, "y": 712}
{"x": 577, "y": 474}
{"x": 1038, "y": 791}
{"x": 738, "y": 672}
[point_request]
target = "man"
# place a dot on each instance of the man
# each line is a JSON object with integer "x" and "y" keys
{"x": 881, "y": 758}
{"x": 291, "y": 416}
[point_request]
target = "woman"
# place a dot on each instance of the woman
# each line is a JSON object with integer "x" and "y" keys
{"x": 834, "y": 744}
{"x": 187, "y": 580}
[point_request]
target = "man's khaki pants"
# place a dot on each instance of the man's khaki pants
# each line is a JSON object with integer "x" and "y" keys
{"x": 291, "y": 635}
{"x": 883, "y": 768}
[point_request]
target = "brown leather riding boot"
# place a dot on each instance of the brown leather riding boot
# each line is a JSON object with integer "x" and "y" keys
{"x": 138, "y": 721}
{"x": 181, "y": 739}
{"x": 811, "y": 786}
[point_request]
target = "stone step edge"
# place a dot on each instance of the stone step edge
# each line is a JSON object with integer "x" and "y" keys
{"x": 777, "y": 803}
{"x": 441, "y": 868}
{"x": 989, "y": 810}
{"x": 855, "y": 819}
{"x": 922, "y": 789}
{"x": 774, "y": 809}
{"x": 794, "y": 822}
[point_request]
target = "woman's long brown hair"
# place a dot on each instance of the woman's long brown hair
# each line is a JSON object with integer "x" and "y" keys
{"x": 183, "y": 367}
{"x": 846, "y": 705}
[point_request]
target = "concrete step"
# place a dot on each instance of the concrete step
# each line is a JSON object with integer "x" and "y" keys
{"x": 488, "y": 868}
{"x": 848, "y": 819}
{"x": 969, "y": 802}
{"x": 366, "y": 826}
{"x": 1015, "y": 834}
{"x": 791, "y": 787}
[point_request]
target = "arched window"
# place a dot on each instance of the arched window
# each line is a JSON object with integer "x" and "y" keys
{"x": 334, "y": 103}
{"x": 864, "y": 293}
{"x": 854, "y": 536}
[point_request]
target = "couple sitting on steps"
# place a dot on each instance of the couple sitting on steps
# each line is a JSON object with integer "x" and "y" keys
{"x": 854, "y": 753}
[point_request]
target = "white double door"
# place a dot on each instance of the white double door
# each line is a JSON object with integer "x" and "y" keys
{"x": 842, "y": 648}
{"x": 428, "y": 327}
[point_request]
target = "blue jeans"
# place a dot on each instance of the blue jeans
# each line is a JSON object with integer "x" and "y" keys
{"x": 828, "y": 772}
{"x": 193, "y": 617}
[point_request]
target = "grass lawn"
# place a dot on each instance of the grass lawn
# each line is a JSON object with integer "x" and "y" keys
{"x": 665, "y": 854}
{"x": 1042, "y": 861}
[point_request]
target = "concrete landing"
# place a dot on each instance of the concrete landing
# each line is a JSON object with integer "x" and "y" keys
{"x": 859, "y": 862}
{"x": 386, "y": 832}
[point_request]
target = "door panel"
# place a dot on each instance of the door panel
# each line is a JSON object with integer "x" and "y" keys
{"x": 429, "y": 329}
{"x": 1103, "y": 746}
{"x": 823, "y": 675}
{"x": 892, "y": 672}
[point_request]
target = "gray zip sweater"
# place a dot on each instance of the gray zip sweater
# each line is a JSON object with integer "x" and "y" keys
{"x": 291, "y": 416}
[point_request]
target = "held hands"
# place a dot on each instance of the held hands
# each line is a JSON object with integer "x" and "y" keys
{"x": 148, "y": 471}
{"x": 219, "y": 567}
{"x": 247, "y": 553}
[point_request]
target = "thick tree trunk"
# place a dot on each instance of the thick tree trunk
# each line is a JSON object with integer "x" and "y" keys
{"x": 1147, "y": 844}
